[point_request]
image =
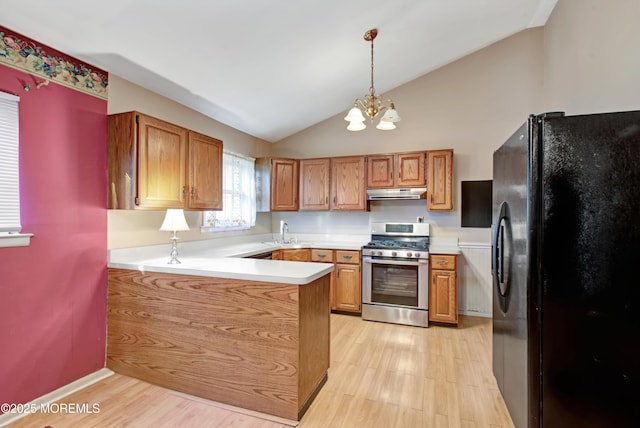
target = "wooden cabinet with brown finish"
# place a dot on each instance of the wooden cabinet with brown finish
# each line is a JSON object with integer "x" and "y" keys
{"x": 396, "y": 170}
{"x": 315, "y": 187}
{"x": 153, "y": 164}
{"x": 410, "y": 169}
{"x": 296, "y": 254}
{"x": 276, "y": 184}
{"x": 284, "y": 185}
{"x": 347, "y": 295}
{"x": 440, "y": 180}
{"x": 205, "y": 172}
{"x": 443, "y": 289}
{"x": 327, "y": 256}
{"x": 348, "y": 181}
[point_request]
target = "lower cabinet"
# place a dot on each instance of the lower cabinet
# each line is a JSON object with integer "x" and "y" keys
{"x": 347, "y": 292}
{"x": 346, "y": 279}
{"x": 296, "y": 254}
{"x": 443, "y": 289}
{"x": 327, "y": 256}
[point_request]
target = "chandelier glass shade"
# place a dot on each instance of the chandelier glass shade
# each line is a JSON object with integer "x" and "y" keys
{"x": 372, "y": 104}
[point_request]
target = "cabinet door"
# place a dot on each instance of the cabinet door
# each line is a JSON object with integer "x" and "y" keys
{"x": 380, "y": 171}
{"x": 440, "y": 180}
{"x": 347, "y": 293}
{"x": 205, "y": 172}
{"x": 162, "y": 149}
{"x": 284, "y": 185}
{"x": 410, "y": 167}
{"x": 314, "y": 184}
{"x": 296, "y": 255}
{"x": 443, "y": 296}
{"x": 348, "y": 190}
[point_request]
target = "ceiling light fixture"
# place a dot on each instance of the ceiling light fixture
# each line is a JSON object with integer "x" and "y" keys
{"x": 372, "y": 104}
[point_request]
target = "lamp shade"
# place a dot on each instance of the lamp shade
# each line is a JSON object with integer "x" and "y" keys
{"x": 385, "y": 125}
{"x": 174, "y": 221}
{"x": 356, "y": 125}
{"x": 354, "y": 115}
{"x": 391, "y": 115}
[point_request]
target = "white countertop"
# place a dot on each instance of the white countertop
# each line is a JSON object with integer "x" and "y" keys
{"x": 223, "y": 258}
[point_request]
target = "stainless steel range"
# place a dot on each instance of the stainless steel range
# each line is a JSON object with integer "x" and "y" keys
{"x": 395, "y": 274}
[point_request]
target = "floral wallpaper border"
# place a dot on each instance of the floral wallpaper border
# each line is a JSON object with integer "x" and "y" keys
{"x": 24, "y": 54}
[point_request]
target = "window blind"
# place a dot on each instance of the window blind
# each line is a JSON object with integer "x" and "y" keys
{"x": 9, "y": 177}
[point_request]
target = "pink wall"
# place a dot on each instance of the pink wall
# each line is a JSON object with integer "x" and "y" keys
{"x": 53, "y": 293}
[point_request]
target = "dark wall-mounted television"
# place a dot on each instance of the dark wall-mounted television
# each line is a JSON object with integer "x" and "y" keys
{"x": 476, "y": 203}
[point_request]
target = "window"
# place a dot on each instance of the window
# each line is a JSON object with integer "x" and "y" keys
{"x": 10, "y": 226}
{"x": 238, "y": 196}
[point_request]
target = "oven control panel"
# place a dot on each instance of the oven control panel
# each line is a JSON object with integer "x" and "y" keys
{"x": 396, "y": 253}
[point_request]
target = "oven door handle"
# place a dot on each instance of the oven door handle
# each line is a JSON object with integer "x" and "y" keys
{"x": 395, "y": 262}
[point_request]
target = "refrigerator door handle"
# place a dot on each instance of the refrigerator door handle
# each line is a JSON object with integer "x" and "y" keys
{"x": 498, "y": 255}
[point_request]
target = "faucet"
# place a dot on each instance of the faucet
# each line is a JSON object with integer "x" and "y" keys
{"x": 284, "y": 227}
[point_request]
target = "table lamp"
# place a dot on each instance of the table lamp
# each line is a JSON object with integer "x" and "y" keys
{"x": 174, "y": 221}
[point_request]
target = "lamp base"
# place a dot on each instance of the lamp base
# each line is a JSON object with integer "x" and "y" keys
{"x": 174, "y": 250}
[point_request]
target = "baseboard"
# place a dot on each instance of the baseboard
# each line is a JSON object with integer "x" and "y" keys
{"x": 475, "y": 314}
{"x": 58, "y": 394}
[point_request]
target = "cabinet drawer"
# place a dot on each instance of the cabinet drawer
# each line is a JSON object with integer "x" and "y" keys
{"x": 297, "y": 255}
{"x": 322, "y": 256}
{"x": 348, "y": 256}
{"x": 441, "y": 261}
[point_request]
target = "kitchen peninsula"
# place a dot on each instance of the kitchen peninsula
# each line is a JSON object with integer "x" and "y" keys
{"x": 247, "y": 332}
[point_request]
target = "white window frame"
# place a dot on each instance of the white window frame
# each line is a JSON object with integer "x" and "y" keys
{"x": 236, "y": 195}
{"x": 10, "y": 224}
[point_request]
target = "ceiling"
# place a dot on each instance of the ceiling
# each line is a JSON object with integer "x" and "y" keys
{"x": 270, "y": 68}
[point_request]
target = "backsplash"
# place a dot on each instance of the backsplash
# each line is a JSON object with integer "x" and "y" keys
{"x": 350, "y": 222}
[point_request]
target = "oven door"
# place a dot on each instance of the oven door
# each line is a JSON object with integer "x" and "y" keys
{"x": 395, "y": 282}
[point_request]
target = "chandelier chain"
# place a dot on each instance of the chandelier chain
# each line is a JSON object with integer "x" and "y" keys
{"x": 371, "y": 88}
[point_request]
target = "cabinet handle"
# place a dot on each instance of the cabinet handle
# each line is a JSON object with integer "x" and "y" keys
{"x": 193, "y": 192}
{"x": 322, "y": 255}
{"x": 184, "y": 191}
{"x": 334, "y": 199}
{"x": 348, "y": 257}
{"x": 326, "y": 199}
{"x": 442, "y": 262}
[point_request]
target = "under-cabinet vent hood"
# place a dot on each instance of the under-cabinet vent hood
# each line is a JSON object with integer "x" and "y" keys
{"x": 390, "y": 194}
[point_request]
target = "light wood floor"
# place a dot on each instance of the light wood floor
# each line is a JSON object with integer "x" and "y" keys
{"x": 381, "y": 375}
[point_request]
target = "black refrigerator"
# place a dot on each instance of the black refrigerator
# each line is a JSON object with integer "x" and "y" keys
{"x": 566, "y": 271}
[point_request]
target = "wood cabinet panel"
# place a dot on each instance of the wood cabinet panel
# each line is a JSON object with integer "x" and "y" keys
{"x": 327, "y": 256}
{"x": 284, "y": 185}
{"x": 205, "y": 172}
{"x": 443, "y": 288}
{"x": 380, "y": 171}
{"x": 315, "y": 184}
{"x": 348, "y": 190}
{"x": 348, "y": 289}
{"x": 440, "y": 180}
{"x": 348, "y": 256}
{"x": 296, "y": 254}
{"x": 153, "y": 164}
{"x": 162, "y": 149}
{"x": 410, "y": 167}
{"x": 323, "y": 256}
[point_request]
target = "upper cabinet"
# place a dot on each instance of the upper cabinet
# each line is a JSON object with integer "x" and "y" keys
{"x": 440, "y": 180}
{"x": 276, "y": 184}
{"x": 154, "y": 164}
{"x": 396, "y": 170}
{"x": 315, "y": 184}
{"x": 348, "y": 180}
{"x": 205, "y": 182}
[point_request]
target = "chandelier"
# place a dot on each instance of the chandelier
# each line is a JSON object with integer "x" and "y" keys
{"x": 373, "y": 104}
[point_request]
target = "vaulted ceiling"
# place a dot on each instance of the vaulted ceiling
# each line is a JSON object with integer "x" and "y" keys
{"x": 270, "y": 68}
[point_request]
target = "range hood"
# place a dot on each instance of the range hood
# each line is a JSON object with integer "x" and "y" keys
{"x": 390, "y": 194}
